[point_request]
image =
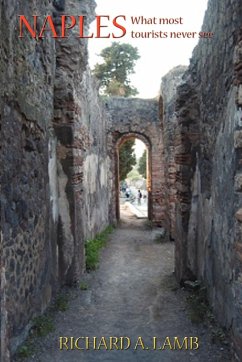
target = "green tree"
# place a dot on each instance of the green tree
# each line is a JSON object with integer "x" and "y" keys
{"x": 134, "y": 174}
{"x": 127, "y": 158}
{"x": 118, "y": 63}
{"x": 142, "y": 164}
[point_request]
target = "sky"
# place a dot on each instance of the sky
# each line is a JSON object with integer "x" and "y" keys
{"x": 157, "y": 55}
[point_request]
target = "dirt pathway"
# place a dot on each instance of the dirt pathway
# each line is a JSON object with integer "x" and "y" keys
{"x": 130, "y": 295}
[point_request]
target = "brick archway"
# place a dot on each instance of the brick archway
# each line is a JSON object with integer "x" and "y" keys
{"x": 138, "y": 118}
{"x": 123, "y": 138}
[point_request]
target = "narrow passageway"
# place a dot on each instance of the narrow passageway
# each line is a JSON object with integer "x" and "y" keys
{"x": 132, "y": 294}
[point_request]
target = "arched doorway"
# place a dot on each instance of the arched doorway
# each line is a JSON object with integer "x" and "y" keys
{"x": 138, "y": 118}
{"x": 121, "y": 140}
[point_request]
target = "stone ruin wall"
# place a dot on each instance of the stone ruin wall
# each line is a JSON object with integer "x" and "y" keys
{"x": 80, "y": 125}
{"x": 28, "y": 272}
{"x": 168, "y": 118}
{"x": 55, "y": 172}
{"x": 206, "y": 146}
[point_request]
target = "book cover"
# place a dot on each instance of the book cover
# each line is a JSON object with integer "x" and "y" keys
{"x": 121, "y": 180}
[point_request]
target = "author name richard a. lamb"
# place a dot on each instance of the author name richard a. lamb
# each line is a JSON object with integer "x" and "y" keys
{"x": 125, "y": 343}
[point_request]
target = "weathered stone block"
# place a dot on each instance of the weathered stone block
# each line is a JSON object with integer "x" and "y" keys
{"x": 238, "y": 139}
{"x": 238, "y": 215}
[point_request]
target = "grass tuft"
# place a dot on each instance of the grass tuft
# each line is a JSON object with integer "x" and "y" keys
{"x": 61, "y": 303}
{"x": 25, "y": 351}
{"x": 43, "y": 325}
{"x": 83, "y": 286}
{"x": 93, "y": 248}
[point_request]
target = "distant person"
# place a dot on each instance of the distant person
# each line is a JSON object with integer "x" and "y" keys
{"x": 127, "y": 192}
{"x": 139, "y": 197}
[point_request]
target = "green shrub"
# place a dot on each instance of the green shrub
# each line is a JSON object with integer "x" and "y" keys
{"x": 43, "y": 325}
{"x": 93, "y": 248}
{"x": 83, "y": 286}
{"x": 25, "y": 351}
{"x": 61, "y": 303}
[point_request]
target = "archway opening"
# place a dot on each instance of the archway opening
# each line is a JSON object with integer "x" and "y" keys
{"x": 133, "y": 182}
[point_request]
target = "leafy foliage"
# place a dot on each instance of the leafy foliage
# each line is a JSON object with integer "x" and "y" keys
{"x": 93, "y": 247}
{"x": 134, "y": 174}
{"x": 25, "y": 351}
{"x": 43, "y": 325}
{"x": 118, "y": 63}
{"x": 142, "y": 164}
{"x": 127, "y": 158}
{"x": 83, "y": 286}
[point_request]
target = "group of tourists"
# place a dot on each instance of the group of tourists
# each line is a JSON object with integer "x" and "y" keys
{"x": 128, "y": 195}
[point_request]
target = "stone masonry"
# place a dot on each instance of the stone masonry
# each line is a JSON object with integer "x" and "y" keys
{"x": 82, "y": 160}
{"x": 168, "y": 89}
{"x": 55, "y": 188}
{"x": 28, "y": 266}
{"x": 206, "y": 147}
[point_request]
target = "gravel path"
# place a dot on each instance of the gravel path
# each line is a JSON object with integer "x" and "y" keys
{"x": 132, "y": 295}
